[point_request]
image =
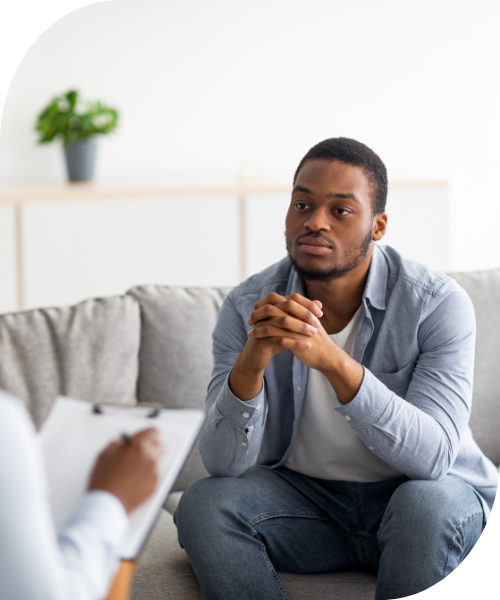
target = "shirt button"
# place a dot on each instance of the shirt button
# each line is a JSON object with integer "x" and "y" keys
{"x": 370, "y": 447}
{"x": 347, "y": 418}
{"x": 246, "y": 415}
{"x": 243, "y": 444}
{"x": 258, "y": 406}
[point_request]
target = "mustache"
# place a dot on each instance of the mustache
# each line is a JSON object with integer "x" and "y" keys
{"x": 316, "y": 236}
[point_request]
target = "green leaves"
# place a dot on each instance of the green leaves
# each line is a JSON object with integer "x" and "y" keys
{"x": 69, "y": 118}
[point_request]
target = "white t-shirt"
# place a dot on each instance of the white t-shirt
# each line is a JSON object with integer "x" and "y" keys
{"x": 35, "y": 562}
{"x": 325, "y": 445}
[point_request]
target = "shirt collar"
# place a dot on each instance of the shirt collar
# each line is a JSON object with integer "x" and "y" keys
{"x": 296, "y": 284}
{"x": 376, "y": 284}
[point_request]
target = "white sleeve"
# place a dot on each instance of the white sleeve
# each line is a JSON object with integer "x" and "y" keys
{"x": 35, "y": 563}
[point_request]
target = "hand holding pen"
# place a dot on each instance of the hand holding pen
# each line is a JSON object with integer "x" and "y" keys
{"x": 128, "y": 468}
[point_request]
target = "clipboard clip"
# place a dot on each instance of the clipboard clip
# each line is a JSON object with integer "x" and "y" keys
{"x": 100, "y": 409}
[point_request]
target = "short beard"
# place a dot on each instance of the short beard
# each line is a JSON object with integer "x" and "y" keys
{"x": 333, "y": 272}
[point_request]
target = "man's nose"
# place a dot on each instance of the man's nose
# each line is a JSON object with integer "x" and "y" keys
{"x": 319, "y": 219}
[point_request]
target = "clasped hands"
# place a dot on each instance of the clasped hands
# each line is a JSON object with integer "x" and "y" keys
{"x": 290, "y": 322}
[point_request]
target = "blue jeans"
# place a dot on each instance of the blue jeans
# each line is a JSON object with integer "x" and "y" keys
{"x": 238, "y": 532}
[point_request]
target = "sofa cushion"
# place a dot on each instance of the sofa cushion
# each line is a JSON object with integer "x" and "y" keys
{"x": 163, "y": 569}
{"x": 88, "y": 351}
{"x": 164, "y": 573}
{"x": 484, "y": 290}
{"x": 175, "y": 357}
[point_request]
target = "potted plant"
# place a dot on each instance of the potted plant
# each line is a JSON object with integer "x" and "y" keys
{"x": 76, "y": 123}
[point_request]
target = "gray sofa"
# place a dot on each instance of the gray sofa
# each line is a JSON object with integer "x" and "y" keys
{"x": 154, "y": 345}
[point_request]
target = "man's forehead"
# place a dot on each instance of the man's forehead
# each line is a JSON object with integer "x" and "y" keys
{"x": 329, "y": 195}
{"x": 332, "y": 179}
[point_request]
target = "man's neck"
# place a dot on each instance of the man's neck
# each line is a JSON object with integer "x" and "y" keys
{"x": 340, "y": 297}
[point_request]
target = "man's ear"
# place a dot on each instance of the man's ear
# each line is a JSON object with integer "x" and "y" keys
{"x": 379, "y": 226}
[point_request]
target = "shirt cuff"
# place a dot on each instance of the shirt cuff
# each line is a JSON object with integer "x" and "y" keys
{"x": 105, "y": 512}
{"x": 241, "y": 414}
{"x": 368, "y": 404}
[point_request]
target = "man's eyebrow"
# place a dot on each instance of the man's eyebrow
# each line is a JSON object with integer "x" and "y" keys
{"x": 332, "y": 195}
{"x": 348, "y": 195}
{"x": 304, "y": 190}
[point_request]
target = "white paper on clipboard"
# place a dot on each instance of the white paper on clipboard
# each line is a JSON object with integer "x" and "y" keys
{"x": 73, "y": 435}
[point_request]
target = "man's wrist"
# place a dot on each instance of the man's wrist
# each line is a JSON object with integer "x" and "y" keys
{"x": 244, "y": 382}
{"x": 344, "y": 374}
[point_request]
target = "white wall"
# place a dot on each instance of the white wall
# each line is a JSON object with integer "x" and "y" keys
{"x": 223, "y": 89}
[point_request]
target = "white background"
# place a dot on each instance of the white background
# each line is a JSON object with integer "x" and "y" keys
{"x": 225, "y": 89}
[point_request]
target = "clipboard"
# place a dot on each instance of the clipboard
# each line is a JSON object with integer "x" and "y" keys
{"x": 74, "y": 434}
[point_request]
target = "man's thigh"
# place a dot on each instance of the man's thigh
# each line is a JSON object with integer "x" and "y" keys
{"x": 270, "y": 506}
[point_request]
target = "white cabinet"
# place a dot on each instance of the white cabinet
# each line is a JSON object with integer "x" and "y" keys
{"x": 419, "y": 224}
{"x": 265, "y": 229}
{"x": 79, "y": 249}
{"x": 8, "y": 281}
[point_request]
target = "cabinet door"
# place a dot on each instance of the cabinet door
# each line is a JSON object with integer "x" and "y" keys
{"x": 265, "y": 230}
{"x": 78, "y": 249}
{"x": 8, "y": 280}
{"x": 419, "y": 225}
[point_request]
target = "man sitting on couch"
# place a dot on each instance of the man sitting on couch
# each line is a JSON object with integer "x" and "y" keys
{"x": 337, "y": 431}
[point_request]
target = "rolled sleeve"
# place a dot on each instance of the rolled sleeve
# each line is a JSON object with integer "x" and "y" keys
{"x": 239, "y": 412}
{"x": 368, "y": 405}
{"x": 235, "y": 426}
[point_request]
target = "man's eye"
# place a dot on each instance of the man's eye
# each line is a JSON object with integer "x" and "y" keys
{"x": 301, "y": 205}
{"x": 342, "y": 212}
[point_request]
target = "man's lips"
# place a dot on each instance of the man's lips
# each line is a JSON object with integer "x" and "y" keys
{"x": 316, "y": 246}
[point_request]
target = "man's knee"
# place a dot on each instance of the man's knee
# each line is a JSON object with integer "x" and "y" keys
{"x": 428, "y": 508}
{"x": 206, "y": 503}
{"x": 200, "y": 498}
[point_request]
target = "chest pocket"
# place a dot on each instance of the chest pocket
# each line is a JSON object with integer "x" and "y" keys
{"x": 399, "y": 381}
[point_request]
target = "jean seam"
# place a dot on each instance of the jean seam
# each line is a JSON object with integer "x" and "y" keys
{"x": 284, "y": 513}
{"x": 271, "y": 568}
{"x": 457, "y": 528}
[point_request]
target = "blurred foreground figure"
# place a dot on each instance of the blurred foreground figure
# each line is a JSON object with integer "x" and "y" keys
{"x": 78, "y": 564}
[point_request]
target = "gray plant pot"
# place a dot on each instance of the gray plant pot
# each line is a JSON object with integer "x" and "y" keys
{"x": 80, "y": 159}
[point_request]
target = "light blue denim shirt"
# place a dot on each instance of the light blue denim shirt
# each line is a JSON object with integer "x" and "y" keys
{"x": 416, "y": 343}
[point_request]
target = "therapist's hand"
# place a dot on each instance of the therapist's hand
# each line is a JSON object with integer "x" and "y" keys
{"x": 129, "y": 469}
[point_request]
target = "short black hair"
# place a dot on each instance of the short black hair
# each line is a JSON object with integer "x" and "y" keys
{"x": 354, "y": 153}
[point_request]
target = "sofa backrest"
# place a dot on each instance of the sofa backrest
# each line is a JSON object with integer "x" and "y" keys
{"x": 175, "y": 358}
{"x": 483, "y": 288}
{"x": 88, "y": 351}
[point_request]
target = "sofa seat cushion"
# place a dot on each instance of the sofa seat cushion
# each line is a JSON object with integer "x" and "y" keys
{"x": 88, "y": 351}
{"x": 355, "y": 585}
{"x": 163, "y": 569}
{"x": 164, "y": 573}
